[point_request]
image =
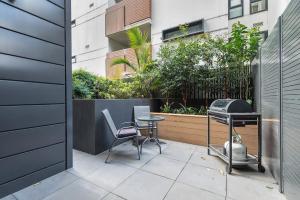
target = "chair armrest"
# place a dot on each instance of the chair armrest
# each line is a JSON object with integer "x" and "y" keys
{"x": 129, "y": 123}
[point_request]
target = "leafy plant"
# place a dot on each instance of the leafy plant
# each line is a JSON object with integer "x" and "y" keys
{"x": 139, "y": 42}
{"x": 83, "y": 84}
{"x": 166, "y": 108}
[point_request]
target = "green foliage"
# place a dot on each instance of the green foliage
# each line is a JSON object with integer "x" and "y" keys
{"x": 167, "y": 108}
{"x": 83, "y": 84}
{"x": 178, "y": 65}
{"x": 139, "y": 42}
{"x": 89, "y": 86}
{"x": 80, "y": 90}
{"x": 202, "y": 61}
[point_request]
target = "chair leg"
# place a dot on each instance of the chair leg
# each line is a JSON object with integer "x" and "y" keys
{"x": 137, "y": 146}
{"x": 109, "y": 151}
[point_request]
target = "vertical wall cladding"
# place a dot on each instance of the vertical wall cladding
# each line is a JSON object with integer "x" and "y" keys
{"x": 291, "y": 99}
{"x": 34, "y": 88}
{"x": 270, "y": 101}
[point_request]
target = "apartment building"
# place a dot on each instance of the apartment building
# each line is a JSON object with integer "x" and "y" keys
{"x": 100, "y": 26}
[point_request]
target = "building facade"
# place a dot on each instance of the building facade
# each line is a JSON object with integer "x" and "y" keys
{"x": 100, "y": 26}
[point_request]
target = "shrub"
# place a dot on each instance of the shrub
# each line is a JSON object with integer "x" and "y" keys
{"x": 83, "y": 84}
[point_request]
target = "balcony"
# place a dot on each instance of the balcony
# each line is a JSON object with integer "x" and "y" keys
{"x": 119, "y": 71}
{"x": 127, "y": 13}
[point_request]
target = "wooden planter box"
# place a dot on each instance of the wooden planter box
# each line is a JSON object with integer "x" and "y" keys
{"x": 192, "y": 129}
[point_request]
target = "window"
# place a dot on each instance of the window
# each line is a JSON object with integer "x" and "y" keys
{"x": 235, "y": 8}
{"x": 193, "y": 28}
{"x": 258, "y": 6}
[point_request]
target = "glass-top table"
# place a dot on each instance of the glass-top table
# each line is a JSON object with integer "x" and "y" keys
{"x": 152, "y": 124}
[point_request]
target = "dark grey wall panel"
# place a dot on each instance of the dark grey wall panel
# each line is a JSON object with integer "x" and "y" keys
{"x": 41, "y": 8}
{"x": 35, "y": 88}
{"x": 30, "y": 139}
{"x": 26, "y": 23}
{"x": 30, "y": 162}
{"x": 18, "y": 117}
{"x": 91, "y": 133}
{"x": 58, "y": 2}
{"x": 291, "y": 100}
{"x": 20, "y": 45}
{"x": 270, "y": 101}
{"x": 16, "y": 93}
{"x": 30, "y": 179}
{"x": 14, "y": 68}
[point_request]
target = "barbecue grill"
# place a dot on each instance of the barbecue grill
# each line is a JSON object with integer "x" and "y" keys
{"x": 234, "y": 112}
{"x": 221, "y": 106}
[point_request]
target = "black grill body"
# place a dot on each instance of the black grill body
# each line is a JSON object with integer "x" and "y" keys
{"x": 221, "y": 106}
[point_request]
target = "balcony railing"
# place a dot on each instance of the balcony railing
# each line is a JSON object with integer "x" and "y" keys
{"x": 125, "y": 13}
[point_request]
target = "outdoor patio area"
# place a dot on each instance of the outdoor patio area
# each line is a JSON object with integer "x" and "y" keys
{"x": 181, "y": 172}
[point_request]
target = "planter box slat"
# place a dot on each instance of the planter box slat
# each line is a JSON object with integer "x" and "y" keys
{"x": 193, "y": 129}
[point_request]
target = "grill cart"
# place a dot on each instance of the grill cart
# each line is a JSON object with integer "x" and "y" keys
{"x": 234, "y": 113}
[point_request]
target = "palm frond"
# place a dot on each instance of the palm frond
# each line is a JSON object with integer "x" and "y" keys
{"x": 137, "y": 38}
{"x": 123, "y": 61}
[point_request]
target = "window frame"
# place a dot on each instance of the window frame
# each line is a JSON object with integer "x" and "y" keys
{"x": 254, "y": 1}
{"x": 237, "y": 6}
{"x": 166, "y": 31}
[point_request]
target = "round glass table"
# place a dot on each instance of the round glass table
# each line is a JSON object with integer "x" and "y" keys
{"x": 152, "y": 124}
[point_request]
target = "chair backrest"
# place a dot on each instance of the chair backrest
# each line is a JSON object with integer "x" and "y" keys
{"x": 141, "y": 111}
{"x": 110, "y": 122}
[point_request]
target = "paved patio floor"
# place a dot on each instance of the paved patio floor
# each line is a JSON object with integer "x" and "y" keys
{"x": 181, "y": 172}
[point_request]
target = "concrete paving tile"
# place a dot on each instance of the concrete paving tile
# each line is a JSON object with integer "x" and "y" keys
{"x": 79, "y": 190}
{"x": 181, "y": 191}
{"x": 112, "y": 196}
{"x": 143, "y": 185}
{"x": 109, "y": 176}
{"x": 200, "y": 158}
{"x": 204, "y": 178}
{"x": 9, "y": 197}
{"x": 249, "y": 189}
{"x": 178, "y": 152}
{"x": 164, "y": 166}
{"x": 46, "y": 187}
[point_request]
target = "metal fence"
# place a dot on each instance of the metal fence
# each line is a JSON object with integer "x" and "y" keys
{"x": 221, "y": 85}
{"x": 277, "y": 96}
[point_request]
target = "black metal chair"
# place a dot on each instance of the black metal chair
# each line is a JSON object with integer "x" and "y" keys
{"x": 126, "y": 132}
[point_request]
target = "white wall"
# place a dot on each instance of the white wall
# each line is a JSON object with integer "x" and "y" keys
{"x": 89, "y": 31}
{"x": 276, "y": 8}
{"x": 170, "y": 13}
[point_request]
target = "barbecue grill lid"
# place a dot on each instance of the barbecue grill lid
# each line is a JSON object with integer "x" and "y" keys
{"x": 231, "y": 106}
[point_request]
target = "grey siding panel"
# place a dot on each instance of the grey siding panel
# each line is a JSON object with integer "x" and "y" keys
{"x": 20, "y": 45}
{"x": 18, "y": 117}
{"x": 29, "y": 139}
{"x": 16, "y": 93}
{"x": 29, "y": 162}
{"x": 60, "y": 3}
{"x": 41, "y": 8}
{"x": 28, "y": 24}
{"x": 30, "y": 179}
{"x": 291, "y": 100}
{"x": 14, "y": 68}
{"x": 270, "y": 101}
{"x": 34, "y": 122}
